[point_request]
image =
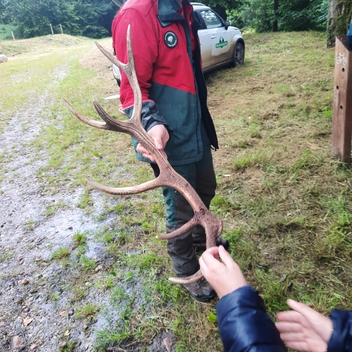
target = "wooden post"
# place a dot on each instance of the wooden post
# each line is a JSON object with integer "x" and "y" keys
{"x": 52, "y": 31}
{"x": 342, "y": 106}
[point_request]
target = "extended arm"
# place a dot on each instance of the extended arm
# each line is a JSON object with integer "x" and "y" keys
{"x": 243, "y": 323}
{"x": 305, "y": 329}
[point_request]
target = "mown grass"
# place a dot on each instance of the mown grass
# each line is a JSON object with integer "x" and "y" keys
{"x": 294, "y": 199}
{"x": 285, "y": 202}
{"x": 29, "y": 72}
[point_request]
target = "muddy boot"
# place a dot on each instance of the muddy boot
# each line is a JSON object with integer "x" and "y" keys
{"x": 200, "y": 290}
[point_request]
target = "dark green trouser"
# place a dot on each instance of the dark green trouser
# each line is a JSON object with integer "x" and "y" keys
{"x": 201, "y": 176}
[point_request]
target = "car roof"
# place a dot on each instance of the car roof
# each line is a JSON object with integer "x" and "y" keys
{"x": 199, "y": 6}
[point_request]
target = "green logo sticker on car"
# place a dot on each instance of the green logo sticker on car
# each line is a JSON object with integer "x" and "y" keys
{"x": 221, "y": 43}
{"x": 170, "y": 39}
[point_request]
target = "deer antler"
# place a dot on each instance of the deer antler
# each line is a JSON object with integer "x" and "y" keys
{"x": 168, "y": 176}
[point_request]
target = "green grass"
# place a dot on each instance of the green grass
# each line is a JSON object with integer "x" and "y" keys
{"x": 285, "y": 202}
{"x": 19, "y": 77}
{"x": 86, "y": 312}
{"x": 5, "y": 256}
{"x": 61, "y": 253}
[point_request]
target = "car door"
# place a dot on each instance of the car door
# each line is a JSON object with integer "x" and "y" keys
{"x": 215, "y": 38}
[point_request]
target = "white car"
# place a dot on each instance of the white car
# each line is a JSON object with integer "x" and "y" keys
{"x": 221, "y": 43}
{"x": 117, "y": 74}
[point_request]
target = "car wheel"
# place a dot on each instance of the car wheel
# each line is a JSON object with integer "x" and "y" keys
{"x": 238, "y": 54}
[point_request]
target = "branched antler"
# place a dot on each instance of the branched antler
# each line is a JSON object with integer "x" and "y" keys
{"x": 168, "y": 176}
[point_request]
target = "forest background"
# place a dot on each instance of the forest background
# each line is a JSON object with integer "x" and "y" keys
{"x": 92, "y": 18}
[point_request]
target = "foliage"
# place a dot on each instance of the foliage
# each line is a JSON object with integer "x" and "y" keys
{"x": 221, "y": 6}
{"x": 5, "y": 32}
{"x": 303, "y": 14}
{"x": 259, "y": 15}
{"x": 92, "y": 18}
{"x": 235, "y": 17}
{"x": 77, "y": 17}
{"x": 2, "y": 10}
{"x": 294, "y": 15}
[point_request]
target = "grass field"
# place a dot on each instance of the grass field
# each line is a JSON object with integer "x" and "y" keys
{"x": 285, "y": 202}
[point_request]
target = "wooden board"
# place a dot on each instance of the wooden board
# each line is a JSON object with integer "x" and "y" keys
{"x": 342, "y": 104}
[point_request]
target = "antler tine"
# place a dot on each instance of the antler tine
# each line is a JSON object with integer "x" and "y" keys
{"x": 86, "y": 120}
{"x": 168, "y": 176}
{"x": 112, "y": 58}
{"x": 129, "y": 69}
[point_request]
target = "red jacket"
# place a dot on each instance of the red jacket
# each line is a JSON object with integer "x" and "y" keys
{"x": 169, "y": 74}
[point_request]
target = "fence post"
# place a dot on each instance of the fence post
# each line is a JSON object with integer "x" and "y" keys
{"x": 52, "y": 31}
{"x": 342, "y": 105}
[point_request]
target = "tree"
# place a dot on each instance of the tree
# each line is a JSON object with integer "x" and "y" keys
{"x": 276, "y": 13}
{"x": 220, "y": 6}
{"x": 340, "y": 14}
{"x": 90, "y": 18}
{"x": 95, "y": 17}
{"x": 2, "y": 10}
{"x": 298, "y": 15}
{"x": 285, "y": 15}
{"x": 4, "y": 19}
{"x": 259, "y": 15}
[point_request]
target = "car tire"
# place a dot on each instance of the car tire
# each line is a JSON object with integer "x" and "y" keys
{"x": 238, "y": 55}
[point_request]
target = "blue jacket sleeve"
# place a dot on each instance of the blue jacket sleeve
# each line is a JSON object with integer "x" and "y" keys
{"x": 341, "y": 338}
{"x": 244, "y": 325}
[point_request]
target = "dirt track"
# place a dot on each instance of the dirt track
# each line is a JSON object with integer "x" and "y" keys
{"x": 29, "y": 319}
{"x": 35, "y": 291}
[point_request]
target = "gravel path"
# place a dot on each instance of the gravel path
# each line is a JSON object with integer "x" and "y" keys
{"x": 30, "y": 320}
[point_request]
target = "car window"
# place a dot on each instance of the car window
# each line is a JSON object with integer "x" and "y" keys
{"x": 211, "y": 19}
{"x": 200, "y": 20}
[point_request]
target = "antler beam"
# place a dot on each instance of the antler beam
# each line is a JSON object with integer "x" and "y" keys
{"x": 168, "y": 176}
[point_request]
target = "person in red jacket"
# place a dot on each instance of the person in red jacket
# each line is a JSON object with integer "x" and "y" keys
{"x": 245, "y": 327}
{"x": 165, "y": 43}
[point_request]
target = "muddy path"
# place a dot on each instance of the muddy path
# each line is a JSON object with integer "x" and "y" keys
{"x": 38, "y": 299}
{"x": 28, "y": 237}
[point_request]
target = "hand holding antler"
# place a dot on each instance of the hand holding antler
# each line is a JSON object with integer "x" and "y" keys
{"x": 160, "y": 135}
